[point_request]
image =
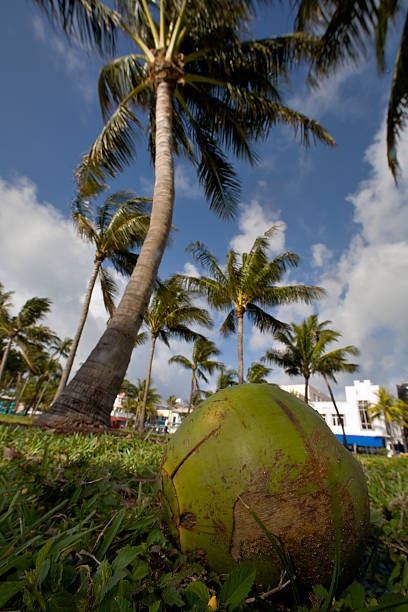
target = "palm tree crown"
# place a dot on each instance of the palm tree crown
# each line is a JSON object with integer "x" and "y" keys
{"x": 23, "y": 329}
{"x": 200, "y": 364}
{"x": 389, "y": 408}
{"x": 247, "y": 283}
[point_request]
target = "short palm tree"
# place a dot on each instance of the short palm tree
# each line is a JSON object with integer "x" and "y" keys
{"x": 246, "y": 283}
{"x": 345, "y": 29}
{"x": 257, "y": 372}
{"x": 205, "y": 91}
{"x": 227, "y": 378}
{"x": 304, "y": 355}
{"x": 114, "y": 228}
{"x": 390, "y": 409}
{"x": 201, "y": 364}
{"x": 170, "y": 313}
{"x": 23, "y": 329}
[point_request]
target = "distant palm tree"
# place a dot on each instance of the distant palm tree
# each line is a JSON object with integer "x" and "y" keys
{"x": 246, "y": 283}
{"x": 170, "y": 313}
{"x": 136, "y": 397}
{"x": 202, "y": 91}
{"x": 23, "y": 329}
{"x": 345, "y": 28}
{"x": 227, "y": 378}
{"x": 304, "y": 355}
{"x": 389, "y": 408}
{"x": 200, "y": 364}
{"x": 114, "y": 228}
{"x": 257, "y": 372}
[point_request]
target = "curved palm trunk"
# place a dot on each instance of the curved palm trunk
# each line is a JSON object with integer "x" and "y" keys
{"x": 21, "y": 393}
{"x": 193, "y": 380}
{"x": 41, "y": 395}
{"x": 337, "y": 411}
{"x": 140, "y": 425}
{"x": 240, "y": 318}
{"x": 89, "y": 396}
{"x": 5, "y": 355}
{"x": 74, "y": 346}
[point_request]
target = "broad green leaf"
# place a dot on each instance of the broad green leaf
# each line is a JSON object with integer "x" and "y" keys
{"x": 9, "y": 589}
{"x": 42, "y": 554}
{"x": 43, "y": 572}
{"x": 200, "y": 589}
{"x": 140, "y": 572}
{"x": 155, "y": 607}
{"x": 237, "y": 586}
{"x": 172, "y": 597}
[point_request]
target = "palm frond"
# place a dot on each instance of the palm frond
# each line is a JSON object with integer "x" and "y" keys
{"x": 182, "y": 361}
{"x": 263, "y": 320}
{"x": 117, "y": 78}
{"x": 109, "y": 290}
{"x": 228, "y": 327}
{"x": 397, "y": 113}
{"x": 91, "y": 21}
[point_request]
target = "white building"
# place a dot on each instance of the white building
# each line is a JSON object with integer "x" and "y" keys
{"x": 360, "y": 432}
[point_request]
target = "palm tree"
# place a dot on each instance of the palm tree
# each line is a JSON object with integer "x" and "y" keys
{"x": 304, "y": 355}
{"x": 247, "y": 282}
{"x": 227, "y": 378}
{"x": 257, "y": 372}
{"x": 205, "y": 92}
{"x": 113, "y": 228}
{"x": 389, "y": 408}
{"x": 168, "y": 316}
{"x": 22, "y": 329}
{"x": 200, "y": 364}
{"x": 135, "y": 396}
{"x": 345, "y": 29}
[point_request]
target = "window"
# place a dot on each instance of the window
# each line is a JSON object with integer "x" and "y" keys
{"x": 323, "y": 416}
{"x": 365, "y": 421}
{"x": 338, "y": 420}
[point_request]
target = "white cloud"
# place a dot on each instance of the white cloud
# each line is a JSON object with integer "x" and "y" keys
{"x": 368, "y": 286}
{"x": 254, "y": 221}
{"x": 72, "y": 57}
{"x": 41, "y": 255}
{"x": 330, "y": 97}
{"x": 186, "y": 183}
{"x": 320, "y": 254}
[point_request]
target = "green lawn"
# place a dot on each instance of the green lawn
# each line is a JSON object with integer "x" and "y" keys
{"x": 79, "y": 530}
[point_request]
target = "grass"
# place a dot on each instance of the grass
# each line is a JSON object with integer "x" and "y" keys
{"x": 16, "y": 418}
{"x": 79, "y": 531}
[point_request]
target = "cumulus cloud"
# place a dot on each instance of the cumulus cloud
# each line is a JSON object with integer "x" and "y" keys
{"x": 186, "y": 183}
{"x": 320, "y": 254}
{"x": 331, "y": 97}
{"x": 71, "y": 57}
{"x": 255, "y": 220}
{"x": 368, "y": 286}
{"x": 41, "y": 255}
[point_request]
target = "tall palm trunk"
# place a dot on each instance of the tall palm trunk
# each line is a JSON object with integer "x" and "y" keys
{"x": 240, "y": 317}
{"x": 21, "y": 392}
{"x": 193, "y": 382}
{"x": 5, "y": 355}
{"x": 147, "y": 386}
{"x": 307, "y": 389}
{"x": 89, "y": 397}
{"x": 337, "y": 411}
{"x": 74, "y": 346}
{"x": 41, "y": 395}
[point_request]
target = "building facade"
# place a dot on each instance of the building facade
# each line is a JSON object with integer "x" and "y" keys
{"x": 362, "y": 434}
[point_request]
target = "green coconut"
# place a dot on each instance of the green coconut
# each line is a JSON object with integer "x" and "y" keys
{"x": 258, "y": 447}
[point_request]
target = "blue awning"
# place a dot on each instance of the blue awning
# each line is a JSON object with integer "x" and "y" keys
{"x": 363, "y": 440}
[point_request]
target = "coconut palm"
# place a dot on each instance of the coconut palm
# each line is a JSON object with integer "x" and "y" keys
{"x": 135, "y": 397}
{"x": 347, "y": 29}
{"x": 200, "y": 364}
{"x": 114, "y": 228}
{"x": 304, "y": 355}
{"x": 390, "y": 409}
{"x": 205, "y": 91}
{"x": 257, "y": 372}
{"x": 227, "y": 378}
{"x": 246, "y": 283}
{"x": 22, "y": 329}
{"x": 170, "y": 313}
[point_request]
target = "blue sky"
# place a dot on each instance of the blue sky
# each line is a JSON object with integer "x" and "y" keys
{"x": 338, "y": 208}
